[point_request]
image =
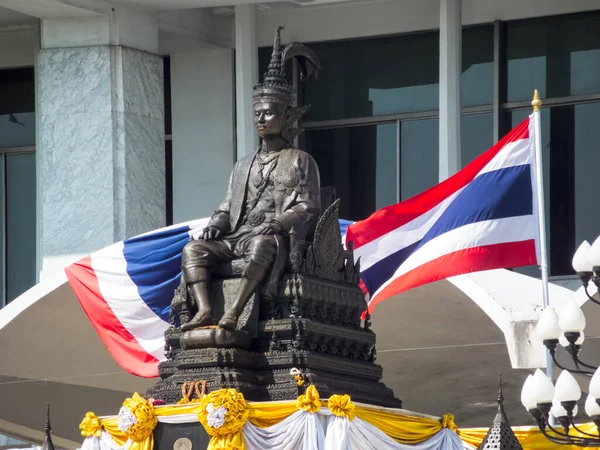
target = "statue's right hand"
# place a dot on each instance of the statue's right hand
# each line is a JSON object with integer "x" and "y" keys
{"x": 211, "y": 233}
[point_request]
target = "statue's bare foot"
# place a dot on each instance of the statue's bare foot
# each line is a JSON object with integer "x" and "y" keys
{"x": 228, "y": 321}
{"x": 201, "y": 319}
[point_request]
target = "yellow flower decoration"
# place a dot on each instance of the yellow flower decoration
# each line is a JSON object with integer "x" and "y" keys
{"x": 223, "y": 414}
{"x": 137, "y": 418}
{"x": 448, "y": 422}
{"x": 309, "y": 401}
{"x": 299, "y": 380}
{"x": 91, "y": 425}
{"x": 341, "y": 406}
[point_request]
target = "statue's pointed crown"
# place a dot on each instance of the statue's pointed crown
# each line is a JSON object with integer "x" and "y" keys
{"x": 275, "y": 87}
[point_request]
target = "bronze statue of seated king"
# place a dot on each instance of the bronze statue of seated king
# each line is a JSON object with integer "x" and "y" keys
{"x": 270, "y": 192}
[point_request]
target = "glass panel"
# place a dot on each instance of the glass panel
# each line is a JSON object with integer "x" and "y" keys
{"x": 419, "y": 166}
{"x": 477, "y": 135}
{"x": 359, "y": 162}
{"x": 17, "y": 130}
{"x": 477, "y": 79}
{"x": 370, "y": 77}
{"x": 20, "y": 224}
{"x": 559, "y": 56}
{"x": 587, "y": 161}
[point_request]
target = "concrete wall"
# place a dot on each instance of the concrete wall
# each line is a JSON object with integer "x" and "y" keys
{"x": 202, "y": 96}
{"x": 18, "y": 47}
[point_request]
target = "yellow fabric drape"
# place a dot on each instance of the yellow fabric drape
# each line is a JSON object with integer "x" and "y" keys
{"x": 531, "y": 438}
{"x": 403, "y": 429}
{"x": 264, "y": 415}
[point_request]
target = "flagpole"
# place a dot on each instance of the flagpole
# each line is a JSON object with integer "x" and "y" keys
{"x": 536, "y": 102}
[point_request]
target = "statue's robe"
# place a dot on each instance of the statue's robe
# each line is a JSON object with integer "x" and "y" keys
{"x": 291, "y": 197}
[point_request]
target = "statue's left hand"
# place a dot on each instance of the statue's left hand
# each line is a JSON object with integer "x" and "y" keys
{"x": 264, "y": 229}
{"x": 269, "y": 229}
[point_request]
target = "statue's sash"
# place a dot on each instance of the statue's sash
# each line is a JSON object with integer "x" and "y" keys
{"x": 240, "y": 184}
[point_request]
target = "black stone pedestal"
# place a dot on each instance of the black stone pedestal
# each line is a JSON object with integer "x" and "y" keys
{"x": 168, "y": 436}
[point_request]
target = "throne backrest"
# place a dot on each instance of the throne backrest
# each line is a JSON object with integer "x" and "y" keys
{"x": 327, "y": 197}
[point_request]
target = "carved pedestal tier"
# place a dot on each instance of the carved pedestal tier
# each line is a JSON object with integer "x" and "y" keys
{"x": 312, "y": 324}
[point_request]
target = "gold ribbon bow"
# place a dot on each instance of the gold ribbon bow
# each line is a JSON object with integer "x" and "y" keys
{"x": 448, "y": 422}
{"x": 310, "y": 401}
{"x": 91, "y": 425}
{"x": 342, "y": 406}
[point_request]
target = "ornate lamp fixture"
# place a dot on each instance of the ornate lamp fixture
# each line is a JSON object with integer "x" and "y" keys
{"x": 543, "y": 399}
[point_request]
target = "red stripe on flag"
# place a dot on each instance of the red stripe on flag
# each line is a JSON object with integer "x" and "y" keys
{"x": 511, "y": 254}
{"x": 391, "y": 217}
{"x": 121, "y": 344}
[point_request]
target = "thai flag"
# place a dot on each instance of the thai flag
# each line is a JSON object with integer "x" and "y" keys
{"x": 126, "y": 291}
{"x": 484, "y": 217}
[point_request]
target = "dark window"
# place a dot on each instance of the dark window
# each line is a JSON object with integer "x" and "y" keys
{"x": 169, "y": 180}
{"x": 371, "y": 77}
{"x": 559, "y": 56}
{"x": 477, "y": 79}
{"x": 17, "y": 91}
{"x": 476, "y": 135}
{"x": 360, "y": 162}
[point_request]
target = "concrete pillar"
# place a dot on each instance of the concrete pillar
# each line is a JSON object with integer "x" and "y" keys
{"x": 202, "y": 107}
{"x": 100, "y": 149}
{"x": 246, "y": 77}
{"x": 450, "y": 70}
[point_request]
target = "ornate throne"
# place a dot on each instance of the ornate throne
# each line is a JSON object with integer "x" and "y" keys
{"x": 310, "y": 322}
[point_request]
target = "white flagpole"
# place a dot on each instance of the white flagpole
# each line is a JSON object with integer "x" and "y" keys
{"x": 539, "y": 179}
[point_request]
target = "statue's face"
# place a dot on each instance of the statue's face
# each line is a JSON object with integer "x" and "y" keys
{"x": 269, "y": 118}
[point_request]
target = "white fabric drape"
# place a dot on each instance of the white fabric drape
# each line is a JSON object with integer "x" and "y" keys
{"x": 307, "y": 431}
{"x": 343, "y": 434}
{"x": 104, "y": 442}
{"x": 301, "y": 430}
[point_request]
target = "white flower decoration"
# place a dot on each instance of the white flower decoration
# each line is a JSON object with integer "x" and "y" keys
{"x": 126, "y": 419}
{"x": 216, "y": 417}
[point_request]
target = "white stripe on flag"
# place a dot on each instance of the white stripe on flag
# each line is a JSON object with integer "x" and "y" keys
{"x": 122, "y": 296}
{"x": 489, "y": 232}
{"x": 515, "y": 153}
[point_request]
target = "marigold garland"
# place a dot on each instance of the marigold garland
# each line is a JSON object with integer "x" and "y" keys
{"x": 310, "y": 401}
{"x": 91, "y": 425}
{"x": 223, "y": 414}
{"x": 341, "y": 406}
{"x": 145, "y": 416}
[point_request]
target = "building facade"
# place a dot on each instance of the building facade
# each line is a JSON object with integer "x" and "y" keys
{"x": 120, "y": 117}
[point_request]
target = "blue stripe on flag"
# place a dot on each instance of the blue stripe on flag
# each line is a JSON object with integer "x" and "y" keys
{"x": 493, "y": 195}
{"x": 154, "y": 265}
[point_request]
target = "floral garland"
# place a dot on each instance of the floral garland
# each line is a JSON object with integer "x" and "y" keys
{"x": 223, "y": 414}
{"x": 137, "y": 418}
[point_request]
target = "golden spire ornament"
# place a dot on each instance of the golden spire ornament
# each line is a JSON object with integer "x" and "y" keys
{"x": 536, "y": 102}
